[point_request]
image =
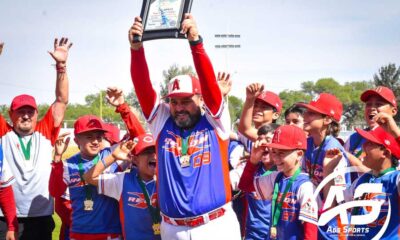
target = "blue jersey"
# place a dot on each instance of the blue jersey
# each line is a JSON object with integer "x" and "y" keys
{"x": 298, "y": 205}
{"x": 202, "y": 183}
{"x": 258, "y": 217}
{"x": 104, "y": 217}
{"x": 390, "y": 195}
{"x": 354, "y": 145}
{"x": 135, "y": 216}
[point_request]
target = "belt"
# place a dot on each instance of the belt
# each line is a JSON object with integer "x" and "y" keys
{"x": 195, "y": 221}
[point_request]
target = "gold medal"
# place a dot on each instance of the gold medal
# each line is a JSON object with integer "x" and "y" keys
{"x": 156, "y": 228}
{"x": 273, "y": 233}
{"x": 184, "y": 160}
{"x": 88, "y": 205}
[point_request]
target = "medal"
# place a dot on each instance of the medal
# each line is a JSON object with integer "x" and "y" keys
{"x": 156, "y": 228}
{"x": 184, "y": 160}
{"x": 273, "y": 232}
{"x": 88, "y": 205}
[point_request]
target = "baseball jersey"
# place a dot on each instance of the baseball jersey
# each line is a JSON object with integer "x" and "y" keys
{"x": 354, "y": 145}
{"x": 31, "y": 187}
{"x": 258, "y": 217}
{"x": 104, "y": 218}
{"x": 390, "y": 195}
{"x": 297, "y": 206}
{"x": 314, "y": 159}
{"x": 135, "y": 217}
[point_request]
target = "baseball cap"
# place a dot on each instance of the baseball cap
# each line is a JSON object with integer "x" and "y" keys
{"x": 112, "y": 134}
{"x": 183, "y": 86}
{"x": 380, "y": 91}
{"x": 271, "y": 99}
{"x": 23, "y": 100}
{"x": 289, "y": 137}
{"x": 379, "y": 136}
{"x": 88, "y": 123}
{"x": 326, "y": 104}
{"x": 143, "y": 141}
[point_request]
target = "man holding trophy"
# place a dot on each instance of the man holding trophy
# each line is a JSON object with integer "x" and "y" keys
{"x": 192, "y": 167}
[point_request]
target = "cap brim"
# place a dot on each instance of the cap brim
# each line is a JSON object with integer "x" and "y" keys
{"x": 90, "y": 130}
{"x": 312, "y": 108}
{"x": 25, "y": 105}
{"x": 139, "y": 151}
{"x": 279, "y": 146}
{"x": 181, "y": 95}
{"x": 367, "y": 94}
{"x": 368, "y": 136}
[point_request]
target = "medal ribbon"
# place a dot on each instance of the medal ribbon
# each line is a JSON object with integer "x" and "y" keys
{"x": 82, "y": 171}
{"x": 357, "y": 210}
{"x": 154, "y": 211}
{"x": 268, "y": 172}
{"x": 315, "y": 160}
{"x": 277, "y": 207}
{"x": 26, "y": 149}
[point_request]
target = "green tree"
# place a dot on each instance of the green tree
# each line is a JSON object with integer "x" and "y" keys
{"x": 389, "y": 76}
{"x": 173, "y": 71}
{"x": 235, "y": 106}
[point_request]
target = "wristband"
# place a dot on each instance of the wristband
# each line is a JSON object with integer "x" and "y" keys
{"x": 193, "y": 43}
{"x": 61, "y": 67}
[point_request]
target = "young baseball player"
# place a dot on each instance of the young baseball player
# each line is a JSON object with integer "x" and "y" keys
{"x": 7, "y": 201}
{"x": 381, "y": 156}
{"x": 94, "y": 216}
{"x": 294, "y": 116}
{"x": 294, "y": 212}
{"x": 259, "y": 210}
{"x": 191, "y": 146}
{"x": 380, "y": 108}
{"x": 321, "y": 122}
{"x": 260, "y": 108}
{"x": 135, "y": 190}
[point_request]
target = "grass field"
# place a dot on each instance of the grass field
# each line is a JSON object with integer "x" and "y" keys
{"x": 70, "y": 151}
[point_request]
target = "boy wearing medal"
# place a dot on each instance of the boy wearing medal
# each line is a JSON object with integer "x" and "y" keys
{"x": 294, "y": 212}
{"x": 94, "y": 216}
{"x": 135, "y": 190}
{"x": 381, "y": 156}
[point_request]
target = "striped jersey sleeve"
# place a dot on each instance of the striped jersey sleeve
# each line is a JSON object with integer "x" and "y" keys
{"x": 111, "y": 184}
{"x": 264, "y": 185}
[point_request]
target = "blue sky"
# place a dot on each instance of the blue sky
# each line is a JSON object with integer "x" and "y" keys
{"x": 283, "y": 43}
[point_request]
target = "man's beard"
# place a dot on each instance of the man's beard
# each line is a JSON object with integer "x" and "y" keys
{"x": 189, "y": 122}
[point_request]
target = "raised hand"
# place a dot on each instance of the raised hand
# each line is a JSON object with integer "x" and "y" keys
{"x": 61, "y": 146}
{"x": 136, "y": 29}
{"x": 387, "y": 121}
{"x": 257, "y": 151}
{"x": 253, "y": 90}
{"x": 123, "y": 150}
{"x": 189, "y": 27}
{"x": 115, "y": 96}
{"x": 224, "y": 83}
{"x": 331, "y": 160}
{"x": 60, "y": 53}
{"x": 1, "y": 47}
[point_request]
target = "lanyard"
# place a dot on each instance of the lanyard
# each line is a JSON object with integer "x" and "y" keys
{"x": 26, "y": 149}
{"x": 82, "y": 171}
{"x": 313, "y": 163}
{"x": 357, "y": 210}
{"x": 277, "y": 207}
{"x": 185, "y": 144}
{"x": 269, "y": 171}
{"x": 154, "y": 211}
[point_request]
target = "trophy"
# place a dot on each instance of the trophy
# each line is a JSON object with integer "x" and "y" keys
{"x": 162, "y": 19}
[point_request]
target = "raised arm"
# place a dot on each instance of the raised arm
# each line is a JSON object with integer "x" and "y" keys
{"x": 121, "y": 152}
{"x": 245, "y": 125}
{"x": 115, "y": 97}
{"x": 140, "y": 72}
{"x": 57, "y": 186}
{"x": 209, "y": 85}
{"x": 60, "y": 55}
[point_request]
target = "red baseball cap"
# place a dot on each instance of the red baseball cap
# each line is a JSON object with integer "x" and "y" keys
{"x": 183, "y": 86}
{"x": 112, "y": 134}
{"x": 326, "y": 104}
{"x": 143, "y": 141}
{"x": 382, "y": 92}
{"x": 289, "y": 137}
{"x": 379, "y": 136}
{"x": 23, "y": 100}
{"x": 271, "y": 99}
{"x": 88, "y": 123}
